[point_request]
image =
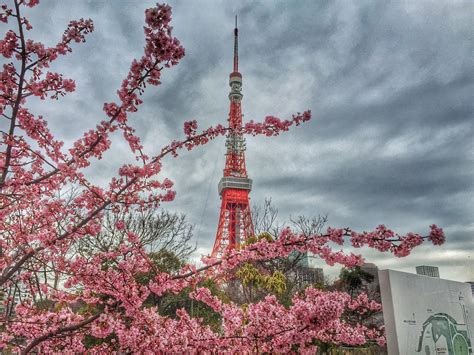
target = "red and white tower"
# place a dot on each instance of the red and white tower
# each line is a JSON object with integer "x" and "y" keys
{"x": 235, "y": 222}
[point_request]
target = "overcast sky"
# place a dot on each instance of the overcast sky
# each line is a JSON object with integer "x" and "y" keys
{"x": 390, "y": 86}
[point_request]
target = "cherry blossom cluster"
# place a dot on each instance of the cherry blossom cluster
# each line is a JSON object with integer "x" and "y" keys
{"x": 382, "y": 239}
{"x": 55, "y": 299}
{"x": 272, "y": 126}
{"x": 315, "y": 315}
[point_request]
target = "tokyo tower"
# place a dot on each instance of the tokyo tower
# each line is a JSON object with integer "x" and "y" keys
{"x": 235, "y": 222}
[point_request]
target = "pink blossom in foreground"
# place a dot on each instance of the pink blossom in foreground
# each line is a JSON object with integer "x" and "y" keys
{"x": 40, "y": 226}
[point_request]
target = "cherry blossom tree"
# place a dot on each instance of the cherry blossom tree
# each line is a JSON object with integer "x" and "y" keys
{"x": 102, "y": 296}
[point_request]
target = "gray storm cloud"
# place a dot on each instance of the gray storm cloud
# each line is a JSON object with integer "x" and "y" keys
{"x": 389, "y": 84}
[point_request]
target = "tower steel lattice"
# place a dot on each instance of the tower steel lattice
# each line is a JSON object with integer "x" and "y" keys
{"x": 235, "y": 222}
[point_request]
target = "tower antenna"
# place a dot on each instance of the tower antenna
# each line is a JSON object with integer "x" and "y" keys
{"x": 236, "y": 47}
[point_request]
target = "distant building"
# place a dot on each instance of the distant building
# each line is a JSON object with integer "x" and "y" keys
{"x": 431, "y": 271}
{"x": 372, "y": 287}
{"x": 306, "y": 260}
{"x": 309, "y": 276}
{"x": 372, "y": 269}
{"x": 472, "y": 286}
{"x": 306, "y": 273}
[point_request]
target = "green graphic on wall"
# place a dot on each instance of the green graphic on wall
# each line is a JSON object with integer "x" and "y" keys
{"x": 442, "y": 334}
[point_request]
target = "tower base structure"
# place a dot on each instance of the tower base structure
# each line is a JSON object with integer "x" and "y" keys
{"x": 235, "y": 221}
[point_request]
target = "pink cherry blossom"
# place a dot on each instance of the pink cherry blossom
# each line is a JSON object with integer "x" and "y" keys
{"x": 101, "y": 296}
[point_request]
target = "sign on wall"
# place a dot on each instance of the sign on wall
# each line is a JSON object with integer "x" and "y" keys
{"x": 426, "y": 315}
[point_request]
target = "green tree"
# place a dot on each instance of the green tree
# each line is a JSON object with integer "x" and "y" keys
{"x": 352, "y": 280}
